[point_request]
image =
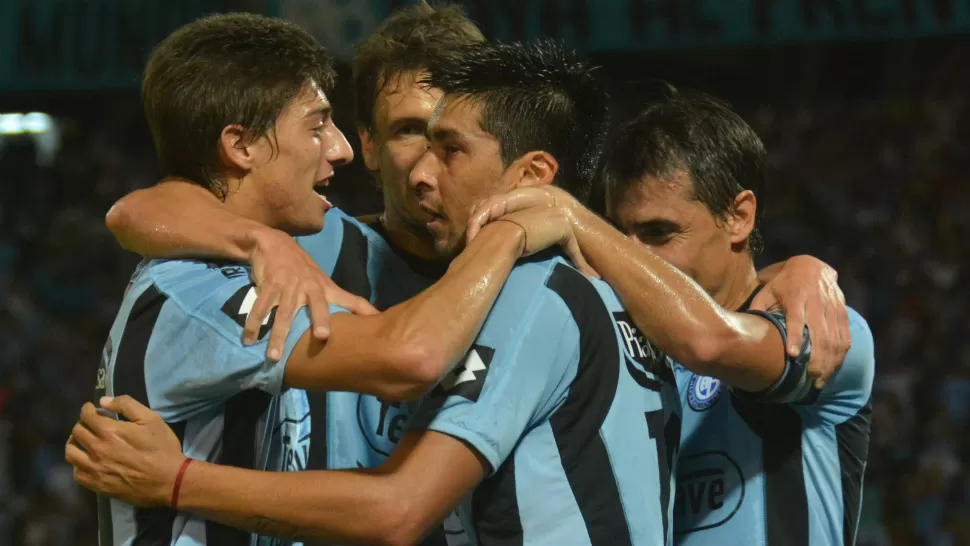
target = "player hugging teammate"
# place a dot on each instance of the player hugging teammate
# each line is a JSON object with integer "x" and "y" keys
{"x": 661, "y": 404}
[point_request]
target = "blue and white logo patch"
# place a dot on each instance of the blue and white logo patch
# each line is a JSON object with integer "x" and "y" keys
{"x": 703, "y": 392}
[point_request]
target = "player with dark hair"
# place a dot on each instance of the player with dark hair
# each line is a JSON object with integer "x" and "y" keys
{"x": 238, "y": 103}
{"x": 773, "y": 458}
{"x": 687, "y": 180}
{"x": 558, "y": 414}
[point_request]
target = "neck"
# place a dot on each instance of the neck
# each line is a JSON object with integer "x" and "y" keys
{"x": 741, "y": 278}
{"x": 404, "y": 237}
{"x": 242, "y": 201}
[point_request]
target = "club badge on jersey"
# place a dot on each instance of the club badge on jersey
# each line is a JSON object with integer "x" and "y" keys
{"x": 703, "y": 392}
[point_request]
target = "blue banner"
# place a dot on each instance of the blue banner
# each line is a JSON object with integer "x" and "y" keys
{"x": 94, "y": 44}
{"x": 638, "y": 25}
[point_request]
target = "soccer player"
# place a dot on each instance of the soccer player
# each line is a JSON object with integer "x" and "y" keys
{"x": 392, "y": 112}
{"x": 766, "y": 458}
{"x": 238, "y": 104}
{"x": 528, "y": 368}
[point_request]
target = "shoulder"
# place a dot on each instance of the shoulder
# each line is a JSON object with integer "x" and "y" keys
{"x": 219, "y": 294}
{"x": 861, "y": 358}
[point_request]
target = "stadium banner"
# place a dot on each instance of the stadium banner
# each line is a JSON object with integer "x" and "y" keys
{"x": 637, "y": 25}
{"x": 91, "y": 44}
{"x": 99, "y": 44}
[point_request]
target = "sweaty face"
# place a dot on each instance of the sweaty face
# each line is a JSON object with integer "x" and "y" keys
{"x": 661, "y": 213}
{"x": 462, "y": 167}
{"x": 299, "y": 155}
{"x": 397, "y": 141}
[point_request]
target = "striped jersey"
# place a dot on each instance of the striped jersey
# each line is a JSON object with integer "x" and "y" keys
{"x": 176, "y": 346}
{"x": 780, "y": 468}
{"x": 575, "y": 412}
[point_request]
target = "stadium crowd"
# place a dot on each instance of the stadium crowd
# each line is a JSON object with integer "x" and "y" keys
{"x": 886, "y": 192}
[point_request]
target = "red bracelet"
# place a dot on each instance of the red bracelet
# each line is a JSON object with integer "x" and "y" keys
{"x": 178, "y": 484}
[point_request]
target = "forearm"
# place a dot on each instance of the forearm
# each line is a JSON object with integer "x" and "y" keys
{"x": 402, "y": 353}
{"x": 180, "y": 219}
{"x": 333, "y": 506}
{"x": 676, "y": 314}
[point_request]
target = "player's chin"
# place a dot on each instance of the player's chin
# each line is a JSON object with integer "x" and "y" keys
{"x": 307, "y": 222}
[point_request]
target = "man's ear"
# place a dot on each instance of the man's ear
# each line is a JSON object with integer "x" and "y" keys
{"x": 368, "y": 148}
{"x": 536, "y": 169}
{"x": 235, "y": 148}
{"x": 740, "y": 222}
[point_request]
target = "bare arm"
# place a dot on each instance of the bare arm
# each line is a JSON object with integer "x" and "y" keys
{"x": 675, "y": 313}
{"x": 396, "y": 504}
{"x": 402, "y": 352}
{"x": 138, "y": 459}
{"x": 669, "y": 308}
{"x": 177, "y": 218}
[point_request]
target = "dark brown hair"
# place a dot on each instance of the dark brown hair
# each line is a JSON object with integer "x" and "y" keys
{"x": 408, "y": 40}
{"x": 220, "y": 70}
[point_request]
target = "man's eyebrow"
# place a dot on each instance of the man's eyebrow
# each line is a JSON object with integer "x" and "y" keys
{"x": 446, "y": 134}
{"x": 408, "y": 121}
{"x": 656, "y": 223}
{"x": 323, "y": 111}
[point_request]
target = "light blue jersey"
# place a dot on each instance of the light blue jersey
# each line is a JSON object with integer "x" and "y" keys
{"x": 176, "y": 346}
{"x": 575, "y": 412}
{"x": 360, "y": 259}
{"x": 782, "y": 468}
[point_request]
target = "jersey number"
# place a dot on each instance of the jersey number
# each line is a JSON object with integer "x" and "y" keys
{"x": 667, "y": 439}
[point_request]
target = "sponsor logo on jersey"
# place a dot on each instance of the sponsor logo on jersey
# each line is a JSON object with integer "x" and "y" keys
{"x": 240, "y": 304}
{"x": 649, "y": 367}
{"x": 468, "y": 377}
{"x": 703, "y": 392}
{"x": 710, "y": 491}
{"x": 382, "y": 423}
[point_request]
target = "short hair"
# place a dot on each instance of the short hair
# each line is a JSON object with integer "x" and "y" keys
{"x": 697, "y": 134}
{"x": 407, "y": 41}
{"x": 222, "y": 70}
{"x": 534, "y": 96}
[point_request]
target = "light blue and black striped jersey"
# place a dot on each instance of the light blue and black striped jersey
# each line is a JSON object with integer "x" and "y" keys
{"x": 176, "y": 346}
{"x": 779, "y": 468}
{"x": 576, "y": 414}
{"x": 360, "y": 258}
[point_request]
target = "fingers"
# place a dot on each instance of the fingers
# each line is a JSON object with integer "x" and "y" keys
{"x": 285, "y": 312}
{"x": 355, "y": 304}
{"x": 77, "y": 457}
{"x": 125, "y": 406}
{"x": 795, "y": 319}
{"x": 319, "y": 308}
{"x": 93, "y": 420}
{"x": 268, "y": 298}
{"x": 483, "y": 213}
{"x": 572, "y": 250}
{"x": 820, "y": 363}
{"x": 82, "y": 437}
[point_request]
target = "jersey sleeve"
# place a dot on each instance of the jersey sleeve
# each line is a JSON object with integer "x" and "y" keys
{"x": 850, "y": 388}
{"x": 195, "y": 358}
{"x": 513, "y": 378}
{"x": 794, "y": 385}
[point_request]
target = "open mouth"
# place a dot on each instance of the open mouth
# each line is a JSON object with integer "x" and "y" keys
{"x": 318, "y": 188}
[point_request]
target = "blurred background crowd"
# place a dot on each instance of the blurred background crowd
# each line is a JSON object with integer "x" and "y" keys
{"x": 870, "y": 171}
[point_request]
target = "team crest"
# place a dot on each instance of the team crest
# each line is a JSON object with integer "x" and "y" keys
{"x": 703, "y": 392}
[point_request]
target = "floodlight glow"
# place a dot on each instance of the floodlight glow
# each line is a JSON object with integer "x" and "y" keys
{"x": 36, "y": 122}
{"x": 11, "y": 124}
